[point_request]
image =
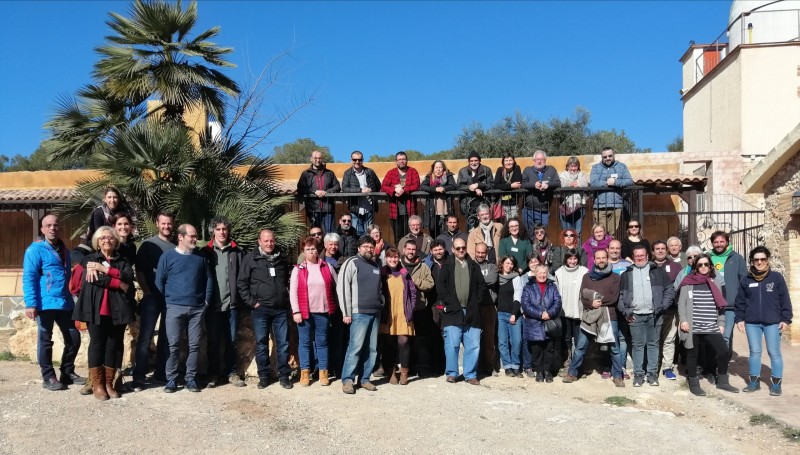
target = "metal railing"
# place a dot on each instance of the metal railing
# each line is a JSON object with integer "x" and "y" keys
{"x": 744, "y": 226}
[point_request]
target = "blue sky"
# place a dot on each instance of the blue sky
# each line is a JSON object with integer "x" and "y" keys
{"x": 389, "y": 76}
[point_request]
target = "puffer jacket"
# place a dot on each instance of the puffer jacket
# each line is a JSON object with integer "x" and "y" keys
{"x": 612, "y": 198}
{"x": 45, "y": 277}
{"x": 534, "y": 304}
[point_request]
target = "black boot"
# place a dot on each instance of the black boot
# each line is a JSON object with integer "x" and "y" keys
{"x": 694, "y": 387}
{"x": 723, "y": 384}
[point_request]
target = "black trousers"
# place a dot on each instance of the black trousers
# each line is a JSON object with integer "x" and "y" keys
{"x": 400, "y": 228}
{"x": 542, "y": 353}
{"x": 396, "y": 348}
{"x": 105, "y": 343}
{"x": 711, "y": 342}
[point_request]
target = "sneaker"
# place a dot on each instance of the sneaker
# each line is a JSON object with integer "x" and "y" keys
{"x": 212, "y": 382}
{"x": 236, "y": 381}
{"x": 137, "y": 385}
{"x": 286, "y": 383}
{"x": 529, "y": 373}
{"x": 625, "y": 374}
{"x": 652, "y": 379}
{"x": 670, "y": 375}
{"x": 72, "y": 378}
{"x": 368, "y": 386}
{"x": 606, "y": 375}
{"x": 638, "y": 381}
{"x": 263, "y": 383}
{"x": 568, "y": 379}
{"x": 618, "y": 382}
{"x": 192, "y": 386}
{"x": 53, "y": 384}
{"x": 510, "y": 372}
{"x": 171, "y": 387}
{"x": 347, "y": 387}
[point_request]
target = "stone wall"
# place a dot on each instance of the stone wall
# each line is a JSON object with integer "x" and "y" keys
{"x": 10, "y": 305}
{"x": 781, "y": 230}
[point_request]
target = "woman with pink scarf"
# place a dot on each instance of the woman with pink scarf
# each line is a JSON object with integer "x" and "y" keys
{"x": 598, "y": 241}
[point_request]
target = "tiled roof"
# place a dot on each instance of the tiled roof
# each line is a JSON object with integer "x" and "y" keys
{"x": 651, "y": 178}
{"x": 35, "y": 194}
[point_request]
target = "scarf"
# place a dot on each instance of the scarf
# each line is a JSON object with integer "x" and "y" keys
{"x": 758, "y": 276}
{"x": 378, "y": 247}
{"x": 487, "y": 234}
{"x": 697, "y": 278}
{"x": 410, "y": 266}
{"x": 598, "y": 274}
{"x": 543, "y": 248}
{"x": 503, "y": 279}
{"x": 719, "y": 259}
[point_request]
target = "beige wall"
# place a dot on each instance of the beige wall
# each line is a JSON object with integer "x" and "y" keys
{"x": 770, "y": 102}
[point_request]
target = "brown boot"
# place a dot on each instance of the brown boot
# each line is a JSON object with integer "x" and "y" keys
{"x": 87, "y": 386}
{"x": 111, "y": 374}
{"x": 392, "y": 376}
{"x": 98, "y": 375}
{"x": 323, "y": 378}
{"x": 305, "y": 378}
{"x": 403, "y": 376}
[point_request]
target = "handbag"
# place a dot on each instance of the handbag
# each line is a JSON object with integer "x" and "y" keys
{"x": 552, "y": 328}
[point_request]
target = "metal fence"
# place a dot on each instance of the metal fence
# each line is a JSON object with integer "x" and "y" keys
{"x": 744, "y": 226}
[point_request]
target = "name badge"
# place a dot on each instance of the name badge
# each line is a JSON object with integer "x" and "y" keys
{"x": 516, "y": 250}
{"x": 484, "y": 272}
{"x": 272, "y": 271}
{"x": 614, "y": 176}
{"x": 691, "y": 294}
{"x": 667, "y": 268}
{"x": 105, "y": 263}
{"x": 376, "y": 271}
{"x": 753, "y": 285}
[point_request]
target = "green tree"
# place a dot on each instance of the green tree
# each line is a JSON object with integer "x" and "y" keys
{"x": 37, "y": 161}
{"x": 521, "y": 135}
{"x": 413, "y": 155}
{"x": 151, "y": 56}
{"x": 153, "y": 159}
{"x": 676, "y": 145}
{"x": 299, "y": 152}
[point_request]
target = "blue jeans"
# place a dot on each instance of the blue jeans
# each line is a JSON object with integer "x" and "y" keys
{"x": 362, "y": 349}
{"x": 645, "y": 332}
{"x": 727, "y": 335}
{"x": 313, "y": 339}
{"x": 533, "y": 217}
{"x": 322, "y": 220}
{"x": 263, "y": 320}
{"x": 453, "y": 336}
{"x": 573, "y": 221}
{"x": 178, "y": 319}
{"x": 527, "y": 360}
{"x": 222, "y": 327}
{"x": 44, "y": 347}
{"x": 582, "y": 343}
{"x": 151, "y": 308}
{"x": 360, "y": 222}
{"x": 509, "y": 340}
{"x": 772, "y": 335}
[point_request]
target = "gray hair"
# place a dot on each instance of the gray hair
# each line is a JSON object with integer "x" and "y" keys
{"x": 102, "y": 230}
{"x": 540, "y": 152}
{"x": 674, "y": 239}
{"x": 483, "y": 208}
{"x": 414, "y": 218}
{"x": 694, "y": 249}
{"x": 331, "y": 237}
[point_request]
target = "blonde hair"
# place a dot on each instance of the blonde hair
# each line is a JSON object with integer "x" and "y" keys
{"x": 99, "y": 232}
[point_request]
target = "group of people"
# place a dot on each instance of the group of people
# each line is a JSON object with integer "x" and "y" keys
{"x": 537, "y": 184}
{"x": 361, "y": 307}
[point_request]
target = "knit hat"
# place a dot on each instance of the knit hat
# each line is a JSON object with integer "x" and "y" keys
{"x": 473, "y": 154}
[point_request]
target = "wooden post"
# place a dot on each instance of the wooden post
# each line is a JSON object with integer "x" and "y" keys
{"x": 692, "y": 217}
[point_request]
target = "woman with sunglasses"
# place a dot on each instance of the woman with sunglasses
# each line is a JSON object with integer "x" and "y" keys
{"x": 437, "y": 183}
{"x": 570, "y": 240}
{"x": 701, "y": 308}
{"x": 514, "y": 242}
{"x": 633, "y": 239}
{"x": 763, "y": 310}
{"x": 598, "y": 241}
{"x": 541, "y": 244}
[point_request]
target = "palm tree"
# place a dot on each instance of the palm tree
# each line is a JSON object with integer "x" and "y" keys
{"x": 152, "y": 57}
{"x": 157, "y": 167}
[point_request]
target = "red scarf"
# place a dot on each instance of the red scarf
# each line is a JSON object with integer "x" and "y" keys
{"x": 302, "y": 288}
{"x": 697, "y": 278}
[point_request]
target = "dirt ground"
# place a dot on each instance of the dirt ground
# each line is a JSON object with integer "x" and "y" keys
{"x": 503, "y": 415}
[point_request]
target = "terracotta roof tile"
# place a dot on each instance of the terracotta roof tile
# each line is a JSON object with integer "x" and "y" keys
{"x": 35, "y": 194}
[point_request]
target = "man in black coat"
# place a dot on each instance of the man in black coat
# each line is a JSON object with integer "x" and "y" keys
{"x": 360, "y": 179}
{"x": 315, "y": 183}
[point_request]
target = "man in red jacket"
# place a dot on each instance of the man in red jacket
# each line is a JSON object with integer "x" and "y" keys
{"x": 399, "y": 183}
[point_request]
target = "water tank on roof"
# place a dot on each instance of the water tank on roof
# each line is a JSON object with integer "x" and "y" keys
{"x": 754, "y": 22}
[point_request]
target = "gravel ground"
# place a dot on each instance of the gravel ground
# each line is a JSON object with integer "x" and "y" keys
{"x": 505, "y": 415}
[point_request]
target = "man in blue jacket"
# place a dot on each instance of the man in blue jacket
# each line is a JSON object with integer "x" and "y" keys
{"x": 45, "y": 279}
{"x": 184, "y": 278}
{"x": 612, "y": 176}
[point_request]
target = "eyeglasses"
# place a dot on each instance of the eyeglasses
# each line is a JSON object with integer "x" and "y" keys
{"x": 346, "y": 221}
{"x": 760, "y": 259}
{"x": 633, "y": 226}
{"x": 605, "y": 157}
{"x": 358, "y": 160}
{"x": 703, "y": 264}
{"x": 107, "y": 239}
{"x": 459, "y": 248}
{"x": 690, "y": 258}
{"x": 315, "y": 234}
{"x": 569, "y": 235}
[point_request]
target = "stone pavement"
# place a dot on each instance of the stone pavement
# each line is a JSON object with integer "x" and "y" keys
{"x": 785, "y": 408}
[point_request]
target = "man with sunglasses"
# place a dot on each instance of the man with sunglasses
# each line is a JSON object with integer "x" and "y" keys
{"x": 611, "y": 176}
{"x": 730, "y": 268}
{"x": 348, "y": 239}
{"x": 360, "y": 179}
{"x": 314, "y": 184}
